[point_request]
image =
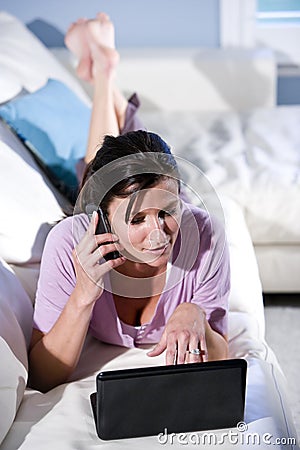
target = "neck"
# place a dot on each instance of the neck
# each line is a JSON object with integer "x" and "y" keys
{"x": 139, "y": 284}
{"x": 140, "y": 270}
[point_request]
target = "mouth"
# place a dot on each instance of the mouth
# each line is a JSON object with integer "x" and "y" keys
{"x": 157, "y": 250}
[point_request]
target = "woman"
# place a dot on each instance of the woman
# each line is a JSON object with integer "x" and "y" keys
{"x": 168, "y": 285}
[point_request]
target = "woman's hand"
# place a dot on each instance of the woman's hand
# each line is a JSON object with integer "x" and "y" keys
{"x": 184, "y": 333}
{"x": 89, "y": 263}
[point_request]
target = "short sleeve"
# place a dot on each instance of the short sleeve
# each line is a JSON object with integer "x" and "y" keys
{"x": 57, "y": 276}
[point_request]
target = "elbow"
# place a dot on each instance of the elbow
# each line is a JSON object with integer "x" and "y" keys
{"x": 46, "y": 373}
{"x": 39, "y": 383}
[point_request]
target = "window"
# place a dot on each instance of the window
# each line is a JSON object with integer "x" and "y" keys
{"x": 278, "y": 27}
{"x": 267, "y": 23}
{"x": 280, "y": 12}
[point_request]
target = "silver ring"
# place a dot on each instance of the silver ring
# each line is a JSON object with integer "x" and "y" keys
{"x": 198, "y": 352}
{"x": 195, "y": 351}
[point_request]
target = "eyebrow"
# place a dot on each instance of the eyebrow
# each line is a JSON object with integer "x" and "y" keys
{"x": 130, "y": 205}
{"x": 171, "y": 205}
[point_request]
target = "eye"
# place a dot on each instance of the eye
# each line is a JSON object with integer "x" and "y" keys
{"x": 169, "y": 212}
{"x": 137, "y": 219}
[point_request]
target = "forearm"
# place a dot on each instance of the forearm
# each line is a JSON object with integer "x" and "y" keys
{"x": 217, "y": 346}
{"x": 53, "y": 358}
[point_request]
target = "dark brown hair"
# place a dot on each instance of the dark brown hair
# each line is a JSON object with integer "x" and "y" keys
{"x": 151, "y": 162}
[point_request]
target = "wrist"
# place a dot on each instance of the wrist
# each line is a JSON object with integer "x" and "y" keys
{"x": 190, "y": 305}
{"x": 82, "y": 299}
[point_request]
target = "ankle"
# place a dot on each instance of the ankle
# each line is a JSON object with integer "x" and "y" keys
{"x": 103, "y": 75}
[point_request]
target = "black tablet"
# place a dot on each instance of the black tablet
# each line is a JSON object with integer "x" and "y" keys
{"x": 169, "y": 399}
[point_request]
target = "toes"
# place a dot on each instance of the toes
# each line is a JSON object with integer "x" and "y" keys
{"x": 103, "y": 17}
{"x": 73, "y": 25}
{"x": 81, "y": 20}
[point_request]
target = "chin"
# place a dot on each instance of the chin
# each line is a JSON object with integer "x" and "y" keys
{"x": 159, "y": 261}
{"x": 144, "y": 257}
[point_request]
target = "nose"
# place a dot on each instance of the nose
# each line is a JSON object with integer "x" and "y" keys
{"x": 157, "y": 235}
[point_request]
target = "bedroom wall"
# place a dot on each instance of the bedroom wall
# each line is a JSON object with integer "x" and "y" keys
{"x": 143, "y": 23}
{"x": 140, "y": 23}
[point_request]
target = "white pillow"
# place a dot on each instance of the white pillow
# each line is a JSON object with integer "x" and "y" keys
{"x": 10, "y": 86}
{"x": 15, "y": 330}
{"x": 29, "y": 203}
{"x": 31, "y": 63}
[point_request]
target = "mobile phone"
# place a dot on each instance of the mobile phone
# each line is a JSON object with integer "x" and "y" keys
{"x": 103, "y": 226}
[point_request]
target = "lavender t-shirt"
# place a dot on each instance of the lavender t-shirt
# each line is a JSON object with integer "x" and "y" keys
{"x": 198, "y": 272}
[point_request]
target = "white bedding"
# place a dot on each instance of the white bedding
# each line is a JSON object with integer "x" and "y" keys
{"x": 252, "y": 157}
{"x": 63, "y": 417}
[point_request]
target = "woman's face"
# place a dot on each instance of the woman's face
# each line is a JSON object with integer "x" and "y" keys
{"x": 152, "y": 228}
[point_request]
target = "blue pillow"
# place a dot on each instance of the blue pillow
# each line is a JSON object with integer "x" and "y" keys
{"x": 54, "y": 123}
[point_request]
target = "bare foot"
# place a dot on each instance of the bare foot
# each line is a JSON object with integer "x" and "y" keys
{"x": 93, "y": 43}
{"x": 101, "y": 39}
{"x": 105, "y": 33}
{"x": 77, "y": 41}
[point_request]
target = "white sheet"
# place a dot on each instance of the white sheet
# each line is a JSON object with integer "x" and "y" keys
{"x": 63, "y": 418}
{"x": 252, "y": 157}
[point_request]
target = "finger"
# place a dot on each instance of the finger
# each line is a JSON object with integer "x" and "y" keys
{"x": 93, "y": 224}
{"x": 103, "y": 250}
{"x": 97, "y": 272}
{"x": 91, "y": 241}
{"x": 111, "y": 264}
{"x": 106, "y": 238}
{"x": 182, "y": 345}
{"x": 94, "y": 221}
{"x": 203, "y": 347}
{"x": 91, "y": 230}
{"x": 88, "y": 243}
{"x": 159, "y": 348}
{"x": 194, "y": 344}
{"x": 171, "y": 351}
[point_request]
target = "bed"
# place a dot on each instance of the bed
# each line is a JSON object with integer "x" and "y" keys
{"x": 31, "y": 204}
{"x": 223, "y": 105}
